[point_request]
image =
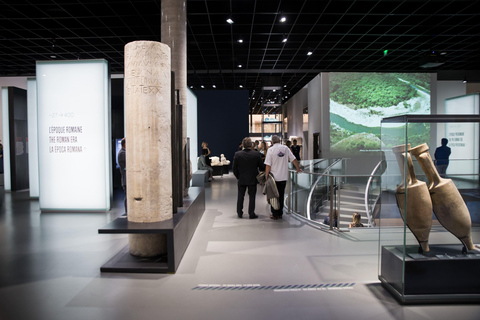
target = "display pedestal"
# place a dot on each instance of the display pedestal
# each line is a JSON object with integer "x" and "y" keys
{"x": 217, "y": 171}
{"x": 179, "y": 230}
{"x": 225, "y": 169}
{"x": 442, "y": 275}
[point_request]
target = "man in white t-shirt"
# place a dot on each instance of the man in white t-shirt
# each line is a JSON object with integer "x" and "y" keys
{"x": 276, "y": 163}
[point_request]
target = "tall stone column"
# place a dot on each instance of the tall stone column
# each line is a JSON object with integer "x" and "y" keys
{"x": 174, "y": 34}
{"x": 148, "y": 141}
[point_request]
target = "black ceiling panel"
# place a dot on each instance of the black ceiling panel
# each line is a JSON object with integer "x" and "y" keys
{"x": 343, "y": 35}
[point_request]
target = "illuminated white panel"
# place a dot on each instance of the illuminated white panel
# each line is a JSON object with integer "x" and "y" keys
{"x": 73, "y": 135}
{"x": 192, "y": 130}
{"x": 32, "y": 137}
{"x": 6, "y": 139}
{"x": 463, "y": 137}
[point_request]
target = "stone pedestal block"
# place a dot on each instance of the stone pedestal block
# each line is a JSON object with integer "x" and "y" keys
{"x": 148, "y": 139}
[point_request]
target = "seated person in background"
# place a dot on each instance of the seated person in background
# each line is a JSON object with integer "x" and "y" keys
{"x": 207, "y": 158}
{"x": 202, "y": 163}
{"x": 335, "y": 219}
{"x": 356, "y": 221}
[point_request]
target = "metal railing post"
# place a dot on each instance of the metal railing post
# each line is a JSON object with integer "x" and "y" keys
{"x": 331, "y": 202}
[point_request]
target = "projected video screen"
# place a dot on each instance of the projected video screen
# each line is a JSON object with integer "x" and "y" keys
{"x": 359, "y": 101}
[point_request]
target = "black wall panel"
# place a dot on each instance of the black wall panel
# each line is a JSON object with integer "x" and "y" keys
{"x": 222, "y": 120}
{"x": 17, "y": 112}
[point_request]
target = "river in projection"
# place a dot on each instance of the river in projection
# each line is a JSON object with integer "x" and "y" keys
{"x": 355, "y": 128}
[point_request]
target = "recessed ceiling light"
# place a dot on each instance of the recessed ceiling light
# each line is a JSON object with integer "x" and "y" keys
{"x": 202, "y": 86}
{"x": 239, "y": 65}
{"x": 240, "y": 40}
{"x": 309, "y": 53}
{"x": 284, "y": 40}
{"x": 214, "y": 86}
{"x": 283, "y": 19}
{"x": 229, "y": 20}
{"x": 240, "y": 86}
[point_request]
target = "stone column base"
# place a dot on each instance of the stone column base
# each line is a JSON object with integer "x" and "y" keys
{"x": 147, "y": 245}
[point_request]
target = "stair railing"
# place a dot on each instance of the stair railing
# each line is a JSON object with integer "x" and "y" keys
{"x": 370, "y": 198}
{"x": 312, "y": 189}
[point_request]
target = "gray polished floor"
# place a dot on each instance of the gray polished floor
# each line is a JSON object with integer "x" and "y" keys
{"x": 233, "y": 269}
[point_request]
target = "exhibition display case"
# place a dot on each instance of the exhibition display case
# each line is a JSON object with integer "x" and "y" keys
{"x": 429, "y": 222}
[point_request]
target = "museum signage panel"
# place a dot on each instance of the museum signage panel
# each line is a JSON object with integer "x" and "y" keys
{"x": 74, "y": 135}
{"x": 463, "y": 137}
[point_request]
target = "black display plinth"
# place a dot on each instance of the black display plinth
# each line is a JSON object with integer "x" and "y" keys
{"x": 225, "y": 169}
{"x": 179, "y": 230}
{"x": 217, "y": 171}
{"x": 442, "y": 275}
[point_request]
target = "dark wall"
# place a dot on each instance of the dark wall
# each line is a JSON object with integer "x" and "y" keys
{"x": 17, "y": 111}
{"x": 222, "y": 120}
{"x": 118, "y": 125}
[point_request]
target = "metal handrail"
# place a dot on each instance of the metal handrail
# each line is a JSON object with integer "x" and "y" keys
{"x": 310, "y": 194}
{"x": 367, "y": 192}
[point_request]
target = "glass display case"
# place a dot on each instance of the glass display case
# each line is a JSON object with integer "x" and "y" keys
{"x": 430, "y": 217}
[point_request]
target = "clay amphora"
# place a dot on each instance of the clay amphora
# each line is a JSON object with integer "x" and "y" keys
{"x": 418, "y": 204}
{"x": 448, "y": 205}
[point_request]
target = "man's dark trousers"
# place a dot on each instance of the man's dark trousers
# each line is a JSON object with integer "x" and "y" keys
{"x": 281, "y": 185}
{"x": 252, "y": 193}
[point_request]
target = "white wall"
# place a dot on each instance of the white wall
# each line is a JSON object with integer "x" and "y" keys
{"x": 448, "y": 89}
{"x": 445, "y": 90}
{"x": 32, "y": 138}
{"x": 295, "y": 108}
{"x": 314, "y": 113}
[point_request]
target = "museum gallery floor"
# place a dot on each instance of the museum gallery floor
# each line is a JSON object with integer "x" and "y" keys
{"x": 233, "y": 269}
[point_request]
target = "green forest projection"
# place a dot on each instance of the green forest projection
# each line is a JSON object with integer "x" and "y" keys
{"x": 370, "y": 93}
{"x": 363, "y": 90}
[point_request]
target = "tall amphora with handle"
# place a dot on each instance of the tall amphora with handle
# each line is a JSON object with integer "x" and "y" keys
{"x": 448, "y": 204}
{"x": 418, "y": 204}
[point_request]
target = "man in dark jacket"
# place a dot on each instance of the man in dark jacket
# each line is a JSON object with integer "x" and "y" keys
{"x": 442, "y": 154}
{"x": 246, "y": 165}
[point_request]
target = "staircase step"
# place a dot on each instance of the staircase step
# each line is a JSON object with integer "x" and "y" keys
{"x": 358, "y": 197}
{"x": 345, "y": 204}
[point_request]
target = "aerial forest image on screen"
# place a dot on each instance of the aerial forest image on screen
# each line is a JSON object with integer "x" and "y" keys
{"x": 359, "y": 101}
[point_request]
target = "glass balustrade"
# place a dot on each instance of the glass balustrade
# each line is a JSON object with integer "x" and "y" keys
{"x": 326, "y": 189}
